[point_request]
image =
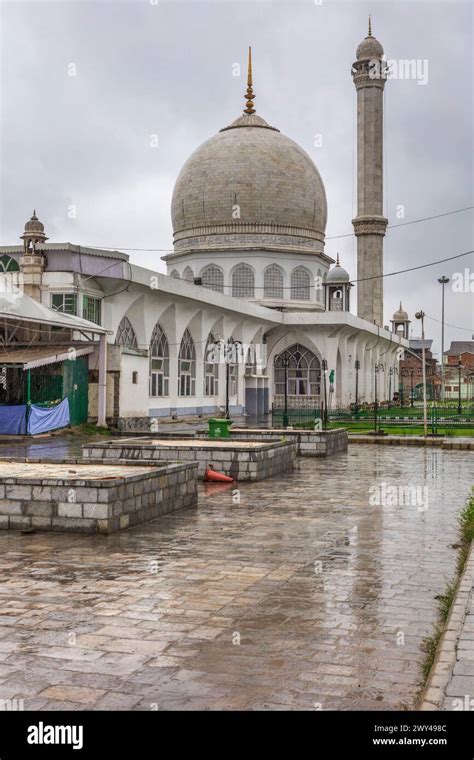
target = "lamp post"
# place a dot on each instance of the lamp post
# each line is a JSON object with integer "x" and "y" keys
{"x": 421, "y": 315}
{"x": 357, "y": 368}
{"x": 459, "y": 386}
{"x": 443, "y": 281}
{"x": 325, "y": 369}
{"x": 390, "y": 373}
{"x": 285, "y": 366}
{"x": 378, "y": 368}
{"x": 412, "y": 392}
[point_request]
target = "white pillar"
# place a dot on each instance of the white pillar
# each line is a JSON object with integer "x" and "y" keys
{"x": 102, "y": 395}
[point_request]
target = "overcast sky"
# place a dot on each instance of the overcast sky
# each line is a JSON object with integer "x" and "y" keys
{"x": 152, "y": 67}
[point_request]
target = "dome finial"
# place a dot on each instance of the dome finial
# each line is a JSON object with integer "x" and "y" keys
{"x": 249, "y": 94}
{"x": 370, "y": 27}
{"x": 337, "y": 260}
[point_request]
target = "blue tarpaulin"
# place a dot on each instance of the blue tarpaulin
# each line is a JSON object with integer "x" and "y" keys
{"x": 13, "y": 420}
{"x": 42, "y": 419}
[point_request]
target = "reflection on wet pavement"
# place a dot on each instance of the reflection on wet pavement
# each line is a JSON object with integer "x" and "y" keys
{"x": 314, "y": 592}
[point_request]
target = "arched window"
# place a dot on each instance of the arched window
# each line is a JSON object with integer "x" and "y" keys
{"x": 187, "y": 366}
{"x": 273, "y": 282}
{"x": 126, "y": 334}
{"x": 243, "y": 282}
{"x": 159, "y": 363}
{"x": 175, "y": 274}
{"x": 7, "y": 264}
{"x": 213, "y": 278}
{"x": 211, "y": 367}
{"x": 188, "y": 274}
{"x": 302, "y": 369}
{"x": 300, "y": 284}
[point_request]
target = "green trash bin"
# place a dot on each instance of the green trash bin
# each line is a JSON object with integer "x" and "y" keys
{"x": 219, "y": 428}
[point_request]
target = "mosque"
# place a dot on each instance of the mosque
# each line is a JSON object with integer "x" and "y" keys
{"x": 251, "y": 310}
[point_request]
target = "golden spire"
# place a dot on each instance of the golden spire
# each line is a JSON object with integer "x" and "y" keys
{"x": 370, "y": 27}
{"x": 249, "y": 94}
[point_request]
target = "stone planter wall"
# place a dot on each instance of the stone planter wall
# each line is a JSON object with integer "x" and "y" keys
{"x": 310, "y": 443}
{"x": 124, "y": 495}
{"x": 238, "y": 462}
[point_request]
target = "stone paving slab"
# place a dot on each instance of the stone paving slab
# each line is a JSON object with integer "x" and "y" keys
{"x": 311, "y": 593}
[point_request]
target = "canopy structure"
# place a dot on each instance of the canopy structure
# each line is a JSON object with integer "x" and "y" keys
{"x": 29, "y": 358}
{"x": 20, "y": 308}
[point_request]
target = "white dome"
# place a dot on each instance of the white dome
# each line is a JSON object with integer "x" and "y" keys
{"x": 247, "y": 187}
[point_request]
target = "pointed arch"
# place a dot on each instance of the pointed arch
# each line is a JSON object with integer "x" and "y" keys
{"x": 187, "y": 366}
{"x": 273, "y": 282}
{"x": 126, "y": 334}
{"x": 300, "y": 368}
{"x": 174, "y": 273}
{"x": 159, "y": 362}
{"x": 300, "y": 284}
{"x": 7, "y": 264}
{"x": 188, "y": 274}
{"x": 243, "y": 281}
{"x": 213, "y": 278}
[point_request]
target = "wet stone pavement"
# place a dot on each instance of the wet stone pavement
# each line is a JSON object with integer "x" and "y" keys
{"x": 312, "y": 593}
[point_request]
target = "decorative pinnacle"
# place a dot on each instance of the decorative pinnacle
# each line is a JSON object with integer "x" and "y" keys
{"x": 337, "y": 260}
{"x": 370, "y": 27}
{"x": 249, "y": 94}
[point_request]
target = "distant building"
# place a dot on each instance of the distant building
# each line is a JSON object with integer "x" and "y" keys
{"x": 458, "y": 363}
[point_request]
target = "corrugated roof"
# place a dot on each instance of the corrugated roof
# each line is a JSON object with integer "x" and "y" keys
{"x": 22, "y": 307}
{"x": 29, "y": 358}
{"x": 68, "y": 247}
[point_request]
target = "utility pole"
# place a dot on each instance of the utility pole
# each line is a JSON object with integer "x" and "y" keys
{"x": 421, "y": 315}
{"x": 443, "y": 281}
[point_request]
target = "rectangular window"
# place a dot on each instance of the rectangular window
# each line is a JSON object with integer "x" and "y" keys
{"x": 64, "y": 302}
{"x": 158, "y": 384}
{"x": 233, "y": 379}
{"x": 91, "y": 309}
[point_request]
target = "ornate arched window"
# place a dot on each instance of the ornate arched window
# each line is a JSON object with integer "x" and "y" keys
{"x": 300, "y": 284}
{"x": 7, "y": 264}
{"x": 188, "y": 274}
{"x": 187, "y": 366}
{"x": 243, "y": 282}
{"x": 211, "y": 367}
{"x": 213, "y": 278}
{"x": 302, "y": 369}
{"x": 126, "y": 334}
{"x": 159, "y": 363}
{"x": 273, "y": 282}
{"x": 175, "y": 274}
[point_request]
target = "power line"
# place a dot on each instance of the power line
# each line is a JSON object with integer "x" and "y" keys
{"x": 405, "y": 224}
{"x": 330, "y": 237}
{"x": 456, "y": 327}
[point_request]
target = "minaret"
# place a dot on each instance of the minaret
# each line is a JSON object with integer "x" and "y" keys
{"x": 369, "y": 75}
{"x": 33, "y": 261}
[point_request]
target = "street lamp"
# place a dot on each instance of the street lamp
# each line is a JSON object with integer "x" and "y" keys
{"x": 412, "y": 392}
{"x": 325, "y": 369}
{"x": 285, "y": 366}
{"x": 460, "y": 367}
{"x": 357, "y": 368}
{"x": 378, "y": 368}
{"x": 421, "y": 315}
{"x": 443, "y": 281}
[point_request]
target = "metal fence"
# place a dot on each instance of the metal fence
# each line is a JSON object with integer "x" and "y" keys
{"x": 442, "y": 420}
